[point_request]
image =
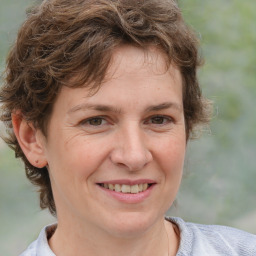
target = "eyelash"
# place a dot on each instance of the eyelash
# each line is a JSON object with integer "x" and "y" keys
{"x": 88, "y": 120}
{"x": 165, "y": 120}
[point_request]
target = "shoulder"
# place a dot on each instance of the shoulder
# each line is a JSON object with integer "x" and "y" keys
{"x": 198, "y": 239}
{"x": 31, "y": 250}
{"x": 40, "y": 247}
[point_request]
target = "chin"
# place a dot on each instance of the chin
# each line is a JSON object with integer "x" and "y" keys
{"x": 131, "y": 224}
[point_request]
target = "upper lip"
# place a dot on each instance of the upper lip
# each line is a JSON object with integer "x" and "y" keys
{"x": 128, "y": 182}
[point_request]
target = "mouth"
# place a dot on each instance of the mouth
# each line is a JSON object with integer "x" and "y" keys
{"x": 125, "y": 188}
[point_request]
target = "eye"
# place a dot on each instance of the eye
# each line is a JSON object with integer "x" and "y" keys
{"x": 95, "y": 124}
{"x": 93, "y": 121}
{"x": 160, "y": 120}
{"x": 157, "y": 120}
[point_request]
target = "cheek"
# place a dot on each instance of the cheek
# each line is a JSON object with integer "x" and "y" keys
{"x": 172, "y": 154}
{"x": 173, "y": 147}
{"x": 83, "y": 156}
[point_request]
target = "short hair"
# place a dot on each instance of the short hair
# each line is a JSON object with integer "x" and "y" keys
{"x": 62, "y": 39}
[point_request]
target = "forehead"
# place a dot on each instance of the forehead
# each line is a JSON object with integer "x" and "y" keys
{"x": 134, "y": 74}
{"x": 127, "y": 59}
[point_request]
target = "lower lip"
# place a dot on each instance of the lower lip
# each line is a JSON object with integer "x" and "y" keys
{"x": 129, "y": 198}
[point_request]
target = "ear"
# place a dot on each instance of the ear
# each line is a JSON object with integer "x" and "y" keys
{"x": 30, "y": 140}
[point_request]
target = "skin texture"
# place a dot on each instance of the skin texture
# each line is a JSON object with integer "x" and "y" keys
{"x": 132, "y": 128}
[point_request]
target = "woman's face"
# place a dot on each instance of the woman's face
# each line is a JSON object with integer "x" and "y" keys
{"x": 129, "y": 136}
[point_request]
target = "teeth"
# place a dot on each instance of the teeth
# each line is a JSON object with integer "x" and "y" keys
{"x": 117, "y": 187}
{"x": 134, "y": 189}
{"x": 126, "y": 189}
{"x": 145, "y": 186}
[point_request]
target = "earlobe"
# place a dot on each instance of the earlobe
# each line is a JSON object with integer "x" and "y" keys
{"x": 30, "y": 140}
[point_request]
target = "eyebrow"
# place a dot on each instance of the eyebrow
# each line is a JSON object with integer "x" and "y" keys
{"x": 107, "y": 108}
{"x": 98, "y": 107}
{"x": 163, "y": 106}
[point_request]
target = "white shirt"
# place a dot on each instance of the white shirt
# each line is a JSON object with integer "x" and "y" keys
{"x": 195, "y": 240}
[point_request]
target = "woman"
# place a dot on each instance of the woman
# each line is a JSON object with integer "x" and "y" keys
{"x": 100, "y": 100}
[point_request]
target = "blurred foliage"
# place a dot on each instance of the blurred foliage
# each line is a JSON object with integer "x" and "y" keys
{"x": 220, "y": 169}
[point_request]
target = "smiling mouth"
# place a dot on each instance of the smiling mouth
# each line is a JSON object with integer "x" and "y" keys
{"x": 126, "y": 189}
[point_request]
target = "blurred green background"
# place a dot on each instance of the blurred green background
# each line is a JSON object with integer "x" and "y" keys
{"x": 220, "y": 170}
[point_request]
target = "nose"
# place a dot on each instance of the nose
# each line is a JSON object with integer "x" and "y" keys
{"x": 130, "y": 149}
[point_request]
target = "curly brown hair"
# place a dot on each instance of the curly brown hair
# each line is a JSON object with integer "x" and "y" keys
{"x": 63, "y": 39}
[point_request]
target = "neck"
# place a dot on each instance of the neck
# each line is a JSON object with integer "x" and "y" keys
{"x": 159, "y": 240}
